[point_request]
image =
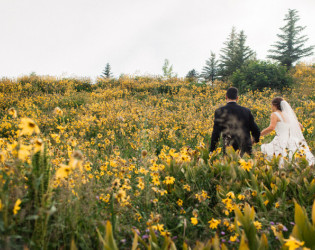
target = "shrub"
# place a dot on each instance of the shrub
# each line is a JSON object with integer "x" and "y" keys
{"x": 257, "y": 75}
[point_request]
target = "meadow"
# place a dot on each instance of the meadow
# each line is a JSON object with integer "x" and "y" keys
{"x": 125, "y": 164}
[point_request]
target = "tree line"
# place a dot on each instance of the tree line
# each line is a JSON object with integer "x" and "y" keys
{"x": 238, "y": 63}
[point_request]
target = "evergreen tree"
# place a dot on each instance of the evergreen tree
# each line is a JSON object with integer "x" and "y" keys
{"x": 210, "y": 71}
{"x": 291, "y": 46}
{"x": 234, "y": 54}
{"x": 227, "y": 56}
{"x": 192, "y": 75}
{"x": 107, "y": 71}
{"x": 243, "y": 52}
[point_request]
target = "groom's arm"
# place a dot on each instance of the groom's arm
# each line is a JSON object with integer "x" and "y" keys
{"x": 216, "y": 131}
{"x": 253, "y": 127}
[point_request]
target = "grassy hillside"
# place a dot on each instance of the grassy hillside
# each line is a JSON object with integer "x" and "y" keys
{"x": 134, "y": 152}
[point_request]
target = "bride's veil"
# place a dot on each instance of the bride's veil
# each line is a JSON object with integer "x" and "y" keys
{"x": 291, "y": 119}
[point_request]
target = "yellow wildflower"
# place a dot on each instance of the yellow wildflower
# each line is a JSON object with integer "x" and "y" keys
{"x": 231, "y": 195}
{"x": 241, "y": 197}
{"x": 12, "y": 112}
{"x": 213, "y": 223}
{"x": 194, "y": 220}
{"x": 116, "y": 183}
{"x": 233, "y": 238}
{"x": 156, "y": 180}
{"x": 38, "y": 145}
{"x": 160, "y": 227}
{"x": 3, "y": 157}
{"x": 246, "y": 165}
{"x": 24, "y": 152}
{"x": 179, "y": 202}
{"x": 257, "y": 225}
{"x": 169, "y": 180}
{"x": 166, "y": 233}
{"x": 293, "y": 243}
{"x": 28, "y": 127}
{"x": 195, "y": 213}
{"x": 63, "y": 171}
{"x": 187, "y": 187}
{"x": 58, "y": 111}
{"x": 121, "y": 195}
{"x": 140, "y": 185}
{"x": 162, "y": 192}
{"x": 17, "y": 206}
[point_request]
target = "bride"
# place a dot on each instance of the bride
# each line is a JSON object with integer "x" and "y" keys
{"x": 289, "y": 138}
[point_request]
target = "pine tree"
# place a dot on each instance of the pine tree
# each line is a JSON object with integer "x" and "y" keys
{"x": 235, "y": 54}
{"x": 243, "y": 52}
{"x": 210, "y": 71}
{"x": 291, "y": 46}
{"x": 107, "y": 71}
{"x": 227, "y": 56}
{"x": 192, "y": 75}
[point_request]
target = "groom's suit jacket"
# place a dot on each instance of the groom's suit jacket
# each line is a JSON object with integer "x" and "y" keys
{"x": 235, "y": 123}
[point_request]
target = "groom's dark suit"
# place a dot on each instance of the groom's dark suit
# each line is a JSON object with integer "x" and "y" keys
{"x": 235, "y": 123}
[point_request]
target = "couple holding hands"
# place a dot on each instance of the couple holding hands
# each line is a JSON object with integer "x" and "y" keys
{"x": 239, "y": 130}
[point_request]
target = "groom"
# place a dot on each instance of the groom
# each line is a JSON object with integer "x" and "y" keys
{"x": 235, "y": 123}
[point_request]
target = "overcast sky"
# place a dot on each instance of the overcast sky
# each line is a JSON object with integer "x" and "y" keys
{"x": 78, "y": 37}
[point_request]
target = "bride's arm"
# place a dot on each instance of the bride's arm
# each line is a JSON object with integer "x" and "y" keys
{"x": 273, "y": 123}
{"x": 301, "y": 126}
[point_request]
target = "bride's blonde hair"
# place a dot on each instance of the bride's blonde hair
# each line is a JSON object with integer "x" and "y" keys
{"x": 277, "y": 102}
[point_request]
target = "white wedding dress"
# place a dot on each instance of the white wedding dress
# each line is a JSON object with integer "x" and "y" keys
{"x": 289, "y": 138}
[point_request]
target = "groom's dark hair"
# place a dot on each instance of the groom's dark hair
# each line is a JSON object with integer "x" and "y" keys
{"x": 232, "y": 93}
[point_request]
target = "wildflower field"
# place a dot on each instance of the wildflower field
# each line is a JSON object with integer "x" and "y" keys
{"x": 125, "y": 164}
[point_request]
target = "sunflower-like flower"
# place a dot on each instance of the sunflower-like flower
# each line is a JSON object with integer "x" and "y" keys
{"x": 194, "y": 220}
{"x": 63, "y": 171}
{"x": 76, "y": 160}
{"x": 293, "y": 243}
{"x": 169, "y": 180}
{"x": 38, "y": 145}
{"x": 213, "y": 223}
{"x": 24, "y": 152}
{"x": 246, "y": 165}
{"x": 58, "y": 111}
{"x": 28, "y": 127}
{"x": 12, "y": 112}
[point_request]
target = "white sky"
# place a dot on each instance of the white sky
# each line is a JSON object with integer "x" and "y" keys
{"x": 78, "y": 37}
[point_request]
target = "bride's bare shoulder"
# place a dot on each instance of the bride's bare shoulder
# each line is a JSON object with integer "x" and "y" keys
{"x": 274, "y": 116}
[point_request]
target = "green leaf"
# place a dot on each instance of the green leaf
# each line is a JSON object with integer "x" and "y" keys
{"x": 153, "y": 236}
{"x": 141, "y": 240}
{"x": 263, "y": 242}
{"x": 304, "y": 229}
{"x": 185, "y": 246}
{"x": 73, "y": 246}
{"x": 101, "y": 239}
{"x": 223, "y": 247}
{"x": 135, "y": 241}
{"x": 243, "y": 244}
{"x": 109, "y": 238}
{"x": 216, "y": 242}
